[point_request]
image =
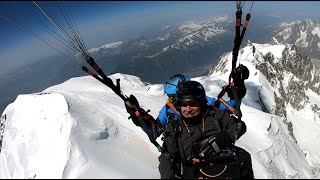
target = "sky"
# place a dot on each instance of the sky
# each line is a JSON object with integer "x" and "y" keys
{"x": 102, "y": 22}
{"x": 80, "y": 129}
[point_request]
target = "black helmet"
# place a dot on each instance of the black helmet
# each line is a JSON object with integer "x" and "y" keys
{"x": 189, "y": 91}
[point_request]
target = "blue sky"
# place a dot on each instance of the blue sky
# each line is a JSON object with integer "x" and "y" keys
{"x": 101, "y": 22}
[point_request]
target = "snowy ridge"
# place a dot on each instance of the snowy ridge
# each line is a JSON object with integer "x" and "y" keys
{"x": 96, "y": 140}
{"x": 287, "y": 85}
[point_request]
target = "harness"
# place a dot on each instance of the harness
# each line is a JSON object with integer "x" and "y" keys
{"x": 187, "y": 164}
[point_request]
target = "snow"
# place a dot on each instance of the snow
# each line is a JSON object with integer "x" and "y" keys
{"x": 316, "y": 31}
{"x": 305, "y": 27}
{"x": 102, "y": 143}
{"x": 35, "y": 124}
{"x": 112, "y": 45}
{"x": 166, "y": 27}
{"x": 286, "y": 34}
{"x": 266, "y": 93}
{"x": 288, "y": 76}
{"x": 290, "y": 23}
{"x": 106, "y": 46}
{"x": 302, "y": 39}
{"x": 211, "y": 32}
{"x": 275, "y": 49}
{"x": 162, "y": 38}
{"x": 80, "y": 129}
{"x": 190, "y": 27}
{"x": 188, "y": 39}
{"x": 313, "y": 97}
{"x": 258, "y": 88}
{"x": 221, "y": 18}
{"x": 306, "y": 141}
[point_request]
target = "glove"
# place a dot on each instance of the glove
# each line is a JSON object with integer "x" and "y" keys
{"x": 241, "y": 74}
{"x": 212, "y": 146}
{"x": 131, "y": 104}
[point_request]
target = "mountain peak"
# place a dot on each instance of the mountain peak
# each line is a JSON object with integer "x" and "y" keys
{"x": 304, "y": 34}
{"x": 309, "y": 21}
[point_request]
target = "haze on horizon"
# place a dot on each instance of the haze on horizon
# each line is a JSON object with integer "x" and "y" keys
{"x": 102, "y": 22}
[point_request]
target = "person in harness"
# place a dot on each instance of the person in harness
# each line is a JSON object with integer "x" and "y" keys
{"x": 201, "y": 143}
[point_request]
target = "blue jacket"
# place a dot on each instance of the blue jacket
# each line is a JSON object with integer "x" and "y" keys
{"x": 167, "y": 111}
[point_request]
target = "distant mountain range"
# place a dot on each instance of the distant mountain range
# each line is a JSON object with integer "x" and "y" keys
{"x": 305, "y": 35}
{"x": 190, "y": 47}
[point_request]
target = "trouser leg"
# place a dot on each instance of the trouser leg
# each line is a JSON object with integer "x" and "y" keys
{"x": 166, "y": 167}
{"x": 245, "y": 163}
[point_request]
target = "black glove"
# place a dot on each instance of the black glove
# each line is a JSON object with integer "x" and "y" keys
{"x": 132, "y": 106}
{"x": 213, "y": 145}
{"x": 134, "y": 109}
{"x": 241, "y": 74}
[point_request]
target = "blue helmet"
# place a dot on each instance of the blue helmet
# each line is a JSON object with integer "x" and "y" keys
{"x": 170, "y": 86}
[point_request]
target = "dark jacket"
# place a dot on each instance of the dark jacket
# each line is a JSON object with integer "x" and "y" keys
{"x": 181, "y": 144}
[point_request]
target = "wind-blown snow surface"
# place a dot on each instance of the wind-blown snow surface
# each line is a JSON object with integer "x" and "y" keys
{"x": 80, "y": 129}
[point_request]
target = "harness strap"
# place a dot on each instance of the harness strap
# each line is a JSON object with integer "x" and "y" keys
{"x": 172, "y": 107}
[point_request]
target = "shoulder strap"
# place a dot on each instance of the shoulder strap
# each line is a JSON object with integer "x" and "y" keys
{"x": 169, "y": 104}
{"x": 211, "y": 112}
